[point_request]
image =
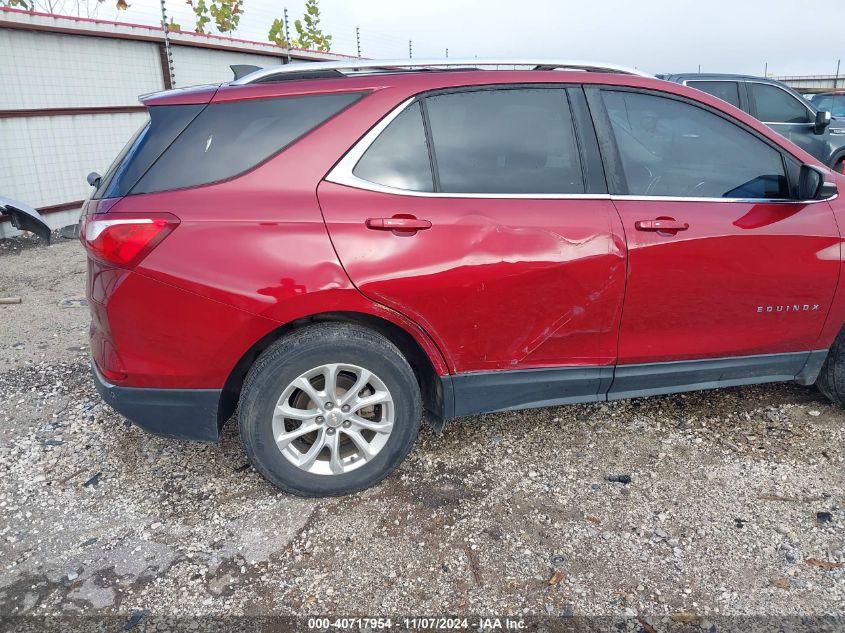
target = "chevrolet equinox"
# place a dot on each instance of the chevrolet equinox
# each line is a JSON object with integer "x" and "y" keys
{"x": 336, "y": 250}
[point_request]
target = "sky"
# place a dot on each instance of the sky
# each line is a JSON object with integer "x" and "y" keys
{"x": 741, "y": 36}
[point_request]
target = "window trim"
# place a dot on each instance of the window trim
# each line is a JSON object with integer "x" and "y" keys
{"x": 341, "y": 173}
{"x": 612, "y": 159}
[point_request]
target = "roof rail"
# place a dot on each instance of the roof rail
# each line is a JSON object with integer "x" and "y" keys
{"x": 281, "y": 72}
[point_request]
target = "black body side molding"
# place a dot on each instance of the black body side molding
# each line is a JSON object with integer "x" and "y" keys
{"x": 487, "y": 392}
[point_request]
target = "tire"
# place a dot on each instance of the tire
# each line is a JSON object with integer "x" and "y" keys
{"x": 347, "y": 350}
{"x": 831, "y": 380}
{"x": 839, "y": 166}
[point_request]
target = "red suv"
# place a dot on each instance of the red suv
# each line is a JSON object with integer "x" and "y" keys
{"x": 333, "y": 249}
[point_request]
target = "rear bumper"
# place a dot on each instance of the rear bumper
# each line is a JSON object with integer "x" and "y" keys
{"x": 185, "y": 414}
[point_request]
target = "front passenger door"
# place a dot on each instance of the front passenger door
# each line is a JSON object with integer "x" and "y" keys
{"x": 787, "y": 115}
{"x": 721, "y": 262}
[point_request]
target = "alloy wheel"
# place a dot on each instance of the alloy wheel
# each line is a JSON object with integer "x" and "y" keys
{"x": 333, "y": 419}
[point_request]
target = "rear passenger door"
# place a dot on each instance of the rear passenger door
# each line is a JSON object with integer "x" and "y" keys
{"x": 722, "y": 262}
{"x": 482, "y": 214}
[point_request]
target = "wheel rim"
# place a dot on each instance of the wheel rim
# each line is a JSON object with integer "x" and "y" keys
{"x": 333, "y": 419}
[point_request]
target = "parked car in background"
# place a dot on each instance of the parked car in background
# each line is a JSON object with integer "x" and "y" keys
{"x": 781, "y": 108}
{"x": 833, "y": 102}
{"x": 334, "y": 252}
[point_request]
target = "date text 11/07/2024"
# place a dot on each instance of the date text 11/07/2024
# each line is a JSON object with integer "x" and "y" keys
{"x": 418, "y": 624}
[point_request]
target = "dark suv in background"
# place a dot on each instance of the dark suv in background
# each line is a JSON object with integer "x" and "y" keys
{"x": 777, "y": 105}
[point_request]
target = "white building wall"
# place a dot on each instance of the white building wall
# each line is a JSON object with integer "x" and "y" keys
{"x": 45, "y": 159}
{"x": 54, "y": 70}
{"x": 193, "y": 66}
{"x": 54, "y": 62}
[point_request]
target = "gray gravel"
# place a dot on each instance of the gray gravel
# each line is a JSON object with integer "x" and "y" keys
{"x": 720, "y": 516}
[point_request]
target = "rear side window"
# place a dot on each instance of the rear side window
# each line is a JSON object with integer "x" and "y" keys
{"x": 399, "y": 156}
{"x": 671, "y": 148}
{"x": 165, "y": 124}
{"x": 724, "y": 90}
{"x": 227, "y": 139}
{"x": 775, "y": 105}
{"x": 505, "y": 141}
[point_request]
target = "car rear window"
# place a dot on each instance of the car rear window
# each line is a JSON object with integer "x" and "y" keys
{"x": 227, "y": 139}
{"x": 164, "y": 125}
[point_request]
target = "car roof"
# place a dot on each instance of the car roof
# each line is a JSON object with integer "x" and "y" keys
{"x": 687, "y": 76}
{"x": 388, "y": 90}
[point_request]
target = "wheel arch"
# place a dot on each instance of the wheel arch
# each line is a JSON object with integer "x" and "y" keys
{"x": 431, "y": 373}
{"x": 838, "y": 155}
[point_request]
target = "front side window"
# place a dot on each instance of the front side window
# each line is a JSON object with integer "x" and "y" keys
{"x": 671, "y": 148}
{"x": 513, "y": 141}
{"x": 775, "y": 105}
{"x": 724, "y": 90}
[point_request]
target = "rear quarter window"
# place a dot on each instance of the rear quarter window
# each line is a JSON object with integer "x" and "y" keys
{"x": 227, "y": 139}
{"x": 164, "y": 125}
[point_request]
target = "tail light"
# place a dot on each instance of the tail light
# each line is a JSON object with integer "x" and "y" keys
{"x": 124, "y": 239}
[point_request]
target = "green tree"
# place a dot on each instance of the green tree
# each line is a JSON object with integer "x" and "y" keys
{"x": 277, "y": 33}
{"x": 227, "y": 14}
{"x": 200, "y": 9}
{"x": 309, "y": 33}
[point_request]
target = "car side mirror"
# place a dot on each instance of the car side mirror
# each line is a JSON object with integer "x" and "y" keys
{"x": 94, "y": 179}
{"x": 822, "y": 121}
{"x": 812, "y": 185}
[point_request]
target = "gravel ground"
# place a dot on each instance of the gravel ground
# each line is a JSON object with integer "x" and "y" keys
{"x": 734, "y": 505}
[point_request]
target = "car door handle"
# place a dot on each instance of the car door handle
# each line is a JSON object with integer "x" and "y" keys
{"x": 397, "y": 224}
{"x": 661, "y": 224}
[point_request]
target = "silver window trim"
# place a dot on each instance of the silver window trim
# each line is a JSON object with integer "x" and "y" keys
{"x": 341, "y": 174}
{"x": 745, "y": 200}
{"x": 782, "y": 123}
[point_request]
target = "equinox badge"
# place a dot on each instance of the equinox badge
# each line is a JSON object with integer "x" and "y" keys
{"x": 806, "y": 307}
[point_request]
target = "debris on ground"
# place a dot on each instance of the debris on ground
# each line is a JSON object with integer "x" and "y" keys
{"x": 184, "y": 529}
